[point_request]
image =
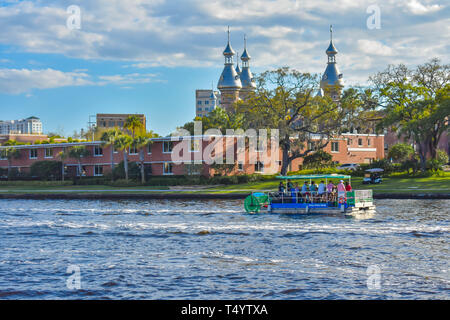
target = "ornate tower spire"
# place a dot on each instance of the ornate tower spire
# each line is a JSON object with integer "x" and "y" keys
{"x": 229, "y": 83}
{"x": 238, "y": 70}
{"x": 248, "y": 83}
{"x": 332, "y": 82}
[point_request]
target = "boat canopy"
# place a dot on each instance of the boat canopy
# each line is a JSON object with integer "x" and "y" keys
{"x": 316, "y": 176}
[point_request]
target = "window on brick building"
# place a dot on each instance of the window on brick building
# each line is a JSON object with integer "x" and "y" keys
{"x": 167, "y": 168}
{"x": 240, "y": 166}
{"x": 335, "y": 146}
{"x": 149, "y": 148}
{"x": 368, "y": 142}
{"x": 48, "y": 152}
{"x": 33, "y": 154}
{"x": 98, "y": 170}
{"x": 133, "y": 149}
{"x": 259, "y": 166}
{"x": 360, "y": 142}
{"x": 98, "y": 151}
{"x": 167, "y": 146}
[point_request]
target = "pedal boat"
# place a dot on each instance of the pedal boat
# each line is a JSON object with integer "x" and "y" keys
{"x": 352, "y": 202}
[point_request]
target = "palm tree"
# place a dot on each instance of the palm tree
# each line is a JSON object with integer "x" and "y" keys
{"x": 134, "y": 123}
{"x": 141, "y": 141}
{"x": 63, "y": 155}
{"x": 123, "y": 142}
{"x": 109, "y": 138}
{"x": 78, "y": 152}
{"x": 10, "y": 153}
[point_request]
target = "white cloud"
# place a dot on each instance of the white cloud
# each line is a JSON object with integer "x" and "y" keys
{"x": 372, "y": 47}
{"x": 148, "y": 33}
{"x": 17, "y": 81}
{"x": 416, "y": 7}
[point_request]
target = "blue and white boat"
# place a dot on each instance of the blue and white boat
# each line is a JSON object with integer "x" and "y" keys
{"x": 297, "y": 202}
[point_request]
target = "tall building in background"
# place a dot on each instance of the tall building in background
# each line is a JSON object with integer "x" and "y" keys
{"x": 206, "y": 101}
{"x": 31, "y": 125}
{"x": 332, "y": 82}
{"x": 112, "y": 120}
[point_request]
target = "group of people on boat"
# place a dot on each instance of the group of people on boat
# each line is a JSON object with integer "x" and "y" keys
{"x": 314, "y": 193}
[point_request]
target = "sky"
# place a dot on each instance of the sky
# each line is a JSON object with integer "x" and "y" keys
{"x": 149, "y": 56}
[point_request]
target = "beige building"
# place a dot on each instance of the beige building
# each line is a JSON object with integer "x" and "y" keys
{"x": 112, "y": 120}
{"x": 206, "y": 101}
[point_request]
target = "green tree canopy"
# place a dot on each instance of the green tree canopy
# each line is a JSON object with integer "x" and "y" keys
{"x": 401, "y": 152}
{"x": 285, "y": 100}
{"x": 415, "y": 103}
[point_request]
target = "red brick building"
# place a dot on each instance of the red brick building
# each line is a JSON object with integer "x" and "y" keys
{"x": 159, "y": 156}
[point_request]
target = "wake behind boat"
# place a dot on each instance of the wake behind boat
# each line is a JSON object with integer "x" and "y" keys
{"x": 326, "y": 197}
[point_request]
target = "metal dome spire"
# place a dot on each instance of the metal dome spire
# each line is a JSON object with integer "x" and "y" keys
{"x": 229, "y": 50}
{"x": 331, "y": 51}
{"x": 245, "y": 56}
{"x": 332, "y": 78}
{"x": 229, "y": 77}
{"x": 246, "y": 75}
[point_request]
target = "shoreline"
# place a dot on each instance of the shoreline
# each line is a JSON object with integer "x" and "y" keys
{"x": 187, "y": 196}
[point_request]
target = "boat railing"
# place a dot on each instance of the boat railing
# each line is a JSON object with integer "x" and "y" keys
{"x": 350, "y": 198}
{"x": 298, "y": 197}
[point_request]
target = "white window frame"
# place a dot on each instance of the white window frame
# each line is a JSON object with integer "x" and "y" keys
{"x": 45, "y": 153}
{"x": 95, "y": 151}
{"x": 259, "y": 167}
{"x": 95, "y": 170}
{"x": 149, "y": 148}
{"x": 170, "y": 165}
{"x": 240, "y": 165}
{"x": 360, "y": 140}
{"x": 170, "y": 143}
{"x": 335, "y": 143}
{"x": 134, "y": 153}
{"x": 33, "y": 150}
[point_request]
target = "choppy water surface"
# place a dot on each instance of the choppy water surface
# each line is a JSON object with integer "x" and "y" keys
{"x": 213, "y": 250}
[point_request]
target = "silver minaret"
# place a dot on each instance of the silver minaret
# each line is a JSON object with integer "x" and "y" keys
{"x": 248, "y": 83}
{"x": 332, "y": 82}
{"x": 229, "y": 83}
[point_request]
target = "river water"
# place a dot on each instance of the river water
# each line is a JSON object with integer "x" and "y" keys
{"x": 214, "y": 250}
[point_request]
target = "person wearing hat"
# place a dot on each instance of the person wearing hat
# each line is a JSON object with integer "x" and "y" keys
{"x": 341, "y": 191}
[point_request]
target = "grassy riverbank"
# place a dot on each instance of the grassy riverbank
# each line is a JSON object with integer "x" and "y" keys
{"x": 393, "y": 184}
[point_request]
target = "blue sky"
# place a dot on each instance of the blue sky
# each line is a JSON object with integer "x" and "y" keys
{"x": 149, "y": 56}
